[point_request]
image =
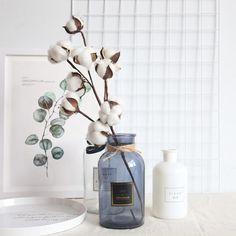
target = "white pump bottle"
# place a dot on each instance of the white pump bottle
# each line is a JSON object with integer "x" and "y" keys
{"x": 169, "y": 188}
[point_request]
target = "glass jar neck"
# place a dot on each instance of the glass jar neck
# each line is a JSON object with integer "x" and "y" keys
{"x": 121, "y": 139}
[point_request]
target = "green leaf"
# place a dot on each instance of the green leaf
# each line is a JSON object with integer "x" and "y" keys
{"x": 45, "y": 102}
{"x": 31, "y": 139}
{"x": 39, "y": 115}
{"x": 40, "y": 160}
{"x": 57, "y": 153}
{"x": 58, "y": 121}
{"x": 51, "y": 95}
{"x": 45, "y": 144}
{"x": 57, "y": 131}
{"x": 63, "y": 85}
{"x": 87, "y": 87}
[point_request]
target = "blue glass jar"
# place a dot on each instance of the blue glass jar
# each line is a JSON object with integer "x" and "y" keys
{"x": 121, "y": 184}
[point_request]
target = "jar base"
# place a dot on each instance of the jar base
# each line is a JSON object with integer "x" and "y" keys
{"x": 120, "y": 226}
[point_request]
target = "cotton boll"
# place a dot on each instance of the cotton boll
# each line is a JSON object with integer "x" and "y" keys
{"x": 99, "y": 126}
{"x": 105, "y": 108}
{"x": 75, "y": 83}
{"x": 69, "y": 104}
{"x": 84, "y": 57}
{"x": 113, "y": 119}
{"x": 66, "y": 105}
{"x": 65, "y": 44}
{"x": 117, "y": 110}
{"x": 110, "y": 112}
{"x": 70, "y": 26}
{"x": 104, "y": 69}
{"x": 91, "y": 127}
{"x": 103, "y": 117}
{"x": 57, "y": 54}
{"x": 97, "y": 133}
{"x": 76, "y": 51}
{"x": 110, "y": 54}
{"x": 74, "y": 25}
{"x": 97, "y": 138}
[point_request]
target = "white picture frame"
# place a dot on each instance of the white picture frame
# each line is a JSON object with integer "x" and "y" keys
{"x": 18, "y": 177}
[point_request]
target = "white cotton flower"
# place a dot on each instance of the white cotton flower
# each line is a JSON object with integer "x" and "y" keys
{"x": 66, "y": 44}
{"x": 97, "y": 138}
{"x": 69, "y": 104}
{"x": 102, "y": 117}
{"x": 75, "y": 83}
{"x": 84, "y": 56}
{"x": 97, "y": 133}
{"x": 117, "y": 110}
{"x": 105, "y": 68}
{"x": 110, "y": 54}
{"x": 76, "y": 51}
{"x": 110, "y": 113}
{"x": 57, "y": 54}
{"x": 105, "y": 108}
{"x": 99, "y": 126}
{"x": 113, "y": 119}
{"x": 74, "y": 25}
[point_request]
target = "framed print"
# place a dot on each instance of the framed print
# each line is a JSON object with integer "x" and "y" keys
{"x": 25, "y": 76}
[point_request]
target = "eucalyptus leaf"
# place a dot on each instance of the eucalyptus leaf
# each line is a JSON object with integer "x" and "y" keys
{"x": 45, "y": 102}
{"x": 57, "y": 153}
{"x": 45, "y": 144}
{"x": 87, "y": 87}
{"x": 40, "y": 160}
{"x": 31, "y": 139}
{"x": 57, "y": 131}
{"x": 39, "y": 115}
{"x": 58, "y": 121}
{"x": 63, "y": 85}
{"x": 51, "y": 95}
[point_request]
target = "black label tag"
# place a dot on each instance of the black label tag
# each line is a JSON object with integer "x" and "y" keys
{"x": 122, "y": 194}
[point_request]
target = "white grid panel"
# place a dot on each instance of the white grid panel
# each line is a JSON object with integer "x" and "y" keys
{"x": 169, "y": 77}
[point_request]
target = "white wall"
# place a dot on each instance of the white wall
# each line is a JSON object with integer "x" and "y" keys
{"x": 33, "y": 24}
{"x": 228, "y": 94}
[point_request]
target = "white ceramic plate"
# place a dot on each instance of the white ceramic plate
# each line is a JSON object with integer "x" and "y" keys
{"x": 39, "y": 216}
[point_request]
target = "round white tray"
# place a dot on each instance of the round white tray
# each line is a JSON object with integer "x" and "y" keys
{"x": 39, "y": 216}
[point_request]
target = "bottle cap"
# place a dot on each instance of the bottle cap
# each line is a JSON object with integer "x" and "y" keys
{"x": 170, "y": 155}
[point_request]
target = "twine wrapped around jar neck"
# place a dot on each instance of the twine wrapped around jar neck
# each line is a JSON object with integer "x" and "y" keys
{"x": 123, "y": 148}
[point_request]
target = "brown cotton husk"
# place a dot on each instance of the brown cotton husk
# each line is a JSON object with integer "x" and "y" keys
{"x": 104, "y": 133}
{"x": 78, "y": 23}
{"x": 113, "y": 103}
{"x": 101, "y": 53}
{"x": 108, "y": 74}
{"x": 76, "y": 60}
{"x": 115, "y": 57}
{"x": 94, "y": 56}
{"x": 76, "y": 74}
{"x": 73, "y": 102}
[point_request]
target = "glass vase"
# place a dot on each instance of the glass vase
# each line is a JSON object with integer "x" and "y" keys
{"x": 91, "y": 184}
{"x": 121, "y": 184}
